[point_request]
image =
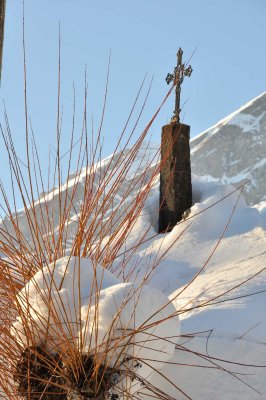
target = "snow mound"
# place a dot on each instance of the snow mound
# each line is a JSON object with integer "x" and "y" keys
{"x": 122, "y": 324}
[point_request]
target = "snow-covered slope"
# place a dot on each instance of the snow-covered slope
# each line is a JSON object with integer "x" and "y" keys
{"x": 223, "y": 308}
{"x": 214, "y": 275}
{"x": 234, "y": 150}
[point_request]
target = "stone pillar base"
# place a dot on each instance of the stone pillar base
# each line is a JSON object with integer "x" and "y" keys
{"x": 175, "y": 176}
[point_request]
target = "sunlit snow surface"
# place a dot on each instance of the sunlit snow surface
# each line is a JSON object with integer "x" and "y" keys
{"x": 213, "y": 274}
{"x": 232, "y": 326}
{"x": 217, "y": 326}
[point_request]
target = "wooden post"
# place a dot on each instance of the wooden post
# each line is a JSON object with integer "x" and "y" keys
{"x": 2, "y": 25}
{"x": 175, "y": 176}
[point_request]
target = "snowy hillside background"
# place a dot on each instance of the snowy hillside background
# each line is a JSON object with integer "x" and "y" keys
{"x": 217, "y": 260}
{"x": 234, "y": 150}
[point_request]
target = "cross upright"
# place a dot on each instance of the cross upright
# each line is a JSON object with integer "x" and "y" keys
{"x": 177, "y": 77}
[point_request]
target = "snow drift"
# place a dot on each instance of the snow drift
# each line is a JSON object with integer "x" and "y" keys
{"x": 122, "y": 325}
{"x": 214, "y": 274}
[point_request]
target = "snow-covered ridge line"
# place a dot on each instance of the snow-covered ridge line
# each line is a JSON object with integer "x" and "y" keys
{"x": 234, "y": 149}
{"x": 224, "y": 120}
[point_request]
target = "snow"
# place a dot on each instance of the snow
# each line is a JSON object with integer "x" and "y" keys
{"x": 213, "y": 279}
{"x": 247, "y": 122}
{"x": 233, "y": 150}
{"x": 261, "y": 207}
{"x": 235, "y": 321}
{"x": 56, "y": 293}
{"x": 216, "y": 127}
{"x": 260, "y": 163}
{"x": 199, "y": 378}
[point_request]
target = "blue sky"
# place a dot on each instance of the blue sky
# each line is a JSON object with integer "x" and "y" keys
{"x": 143, "y": 35}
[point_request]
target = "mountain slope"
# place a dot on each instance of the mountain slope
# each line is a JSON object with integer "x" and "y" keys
{"x": 234, "y": 150}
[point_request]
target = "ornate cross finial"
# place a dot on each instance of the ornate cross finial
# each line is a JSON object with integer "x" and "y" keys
{"x": 178, "y": 76}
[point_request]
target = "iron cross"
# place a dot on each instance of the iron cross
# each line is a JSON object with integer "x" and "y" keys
{"x": 178, "y": 76}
